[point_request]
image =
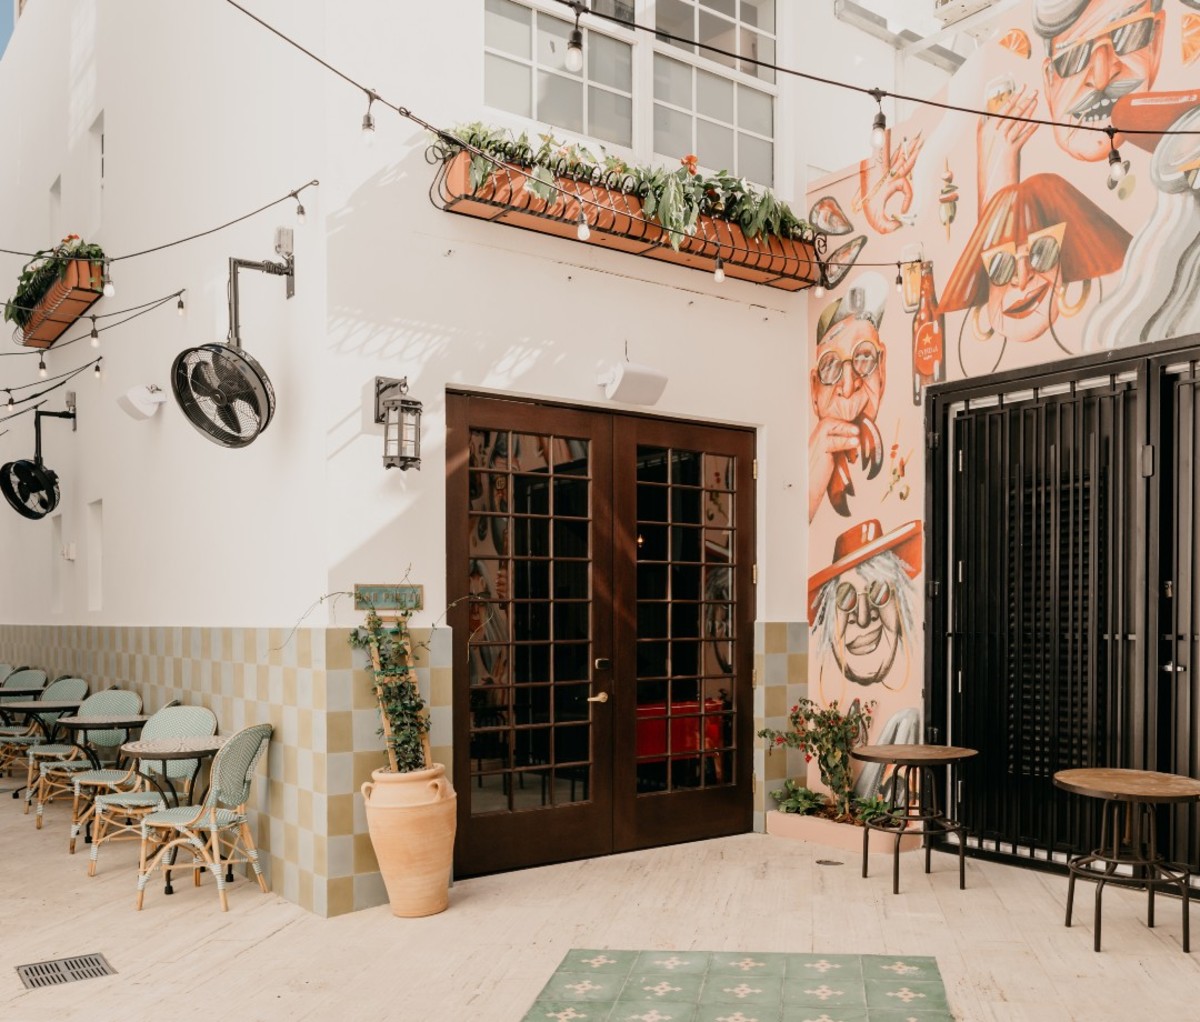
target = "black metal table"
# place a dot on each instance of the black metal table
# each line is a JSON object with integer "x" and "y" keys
{"x": 35, "y": 708}
{"x": 102, "y": 722}
{"x": 924, "y": 816}
{"x": 1127, "y": 836}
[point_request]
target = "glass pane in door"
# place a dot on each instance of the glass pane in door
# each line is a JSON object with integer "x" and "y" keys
{"x": 685, "y": 634}
{"x": 529, "y": 566}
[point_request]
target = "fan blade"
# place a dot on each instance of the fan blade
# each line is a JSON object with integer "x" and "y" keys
{"x": 204, "y": 382}
{"x": 229, "y": 419}
{"x": 25, "y": 473}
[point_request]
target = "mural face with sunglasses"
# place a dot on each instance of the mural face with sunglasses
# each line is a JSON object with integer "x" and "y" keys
{"x": 1097, "y": 52}
{"x": 1021, "y": 283}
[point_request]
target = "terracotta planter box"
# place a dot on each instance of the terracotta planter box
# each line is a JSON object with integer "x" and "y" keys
{"x": 616, "y": 221}
{"x": 66, "y": 301}
{"x": 844, "y": 836}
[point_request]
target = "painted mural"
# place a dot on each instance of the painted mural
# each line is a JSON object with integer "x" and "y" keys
{"x": 968, "y": 244}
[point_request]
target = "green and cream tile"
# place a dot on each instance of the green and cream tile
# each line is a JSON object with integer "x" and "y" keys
{"x": 700, "y": 986}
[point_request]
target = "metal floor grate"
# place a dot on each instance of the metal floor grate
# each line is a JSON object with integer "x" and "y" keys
{"x": 64, "y": 970}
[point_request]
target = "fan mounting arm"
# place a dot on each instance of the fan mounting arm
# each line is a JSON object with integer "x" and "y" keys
{"x": 286, "y": 268}
{"x": 37, "y": 429}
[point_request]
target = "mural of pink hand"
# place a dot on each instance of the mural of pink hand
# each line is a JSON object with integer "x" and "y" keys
{"x": 998, "y": 141}
{"x": 885, "y": 190}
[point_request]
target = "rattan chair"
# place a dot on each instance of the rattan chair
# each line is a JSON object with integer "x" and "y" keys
{"x": 54, "y": 765}
{"x": 118, "y": 813}
{"x": 16, "y": 740}
{"x": 215, "y": 832}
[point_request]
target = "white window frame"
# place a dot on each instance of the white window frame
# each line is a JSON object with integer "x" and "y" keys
{"x": 644, "y": 46}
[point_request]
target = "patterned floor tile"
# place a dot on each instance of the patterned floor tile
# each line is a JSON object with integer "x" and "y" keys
{"x": 723, "y": 986}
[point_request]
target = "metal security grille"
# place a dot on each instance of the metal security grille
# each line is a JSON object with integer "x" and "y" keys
{"x": 64, "y": 970}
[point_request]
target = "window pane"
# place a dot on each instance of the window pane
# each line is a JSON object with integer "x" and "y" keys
{"x": 620, "y": 9}
{"x": 672, "y": 82}
{"x": 552, "y": 36}
{"x": 720, "y": 33}
{"x": 755, "y": 111}
{"x": 714, "y": 98}
{"x": 672, "y": 132}
{"x": 560, "y": 102}
{"x": 506, "y": 85}
{"x": 506, "y": 27}
{"x": 756, "y": 160}
{"x": 609, "y": 62}
{"x": 723, "y": 6}
{"x": 760, "y": 13}
{"x": 760, "y": 47}
{"x": 677, "y": 18}
{"x": 610, "y": 117}
{"x": 714, "y": 145}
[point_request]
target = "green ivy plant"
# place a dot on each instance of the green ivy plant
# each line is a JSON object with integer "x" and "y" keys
{"x": 42, "y": 271}
{"x": 400, "y": 701}
{"x": 828, "y": 734}
{"x": 674, "y": 198}
{"x": 794, "y": 797}
{"x": 874, "y": 809}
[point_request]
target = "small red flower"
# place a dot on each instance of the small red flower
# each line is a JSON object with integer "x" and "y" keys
{"x": 690, "y": 162}
{"x": 779, "y": 739}
{"x": 808, "y": 757}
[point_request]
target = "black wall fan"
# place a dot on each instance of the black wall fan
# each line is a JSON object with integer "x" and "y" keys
{"x": 30, "y": 487}
{"x": 224, "y": 392}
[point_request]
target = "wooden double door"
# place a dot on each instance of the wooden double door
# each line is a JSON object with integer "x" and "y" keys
{"x": 601, "y": 578}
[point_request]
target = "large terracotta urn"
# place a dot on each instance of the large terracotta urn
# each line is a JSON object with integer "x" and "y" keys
{"x": 411, "y": 817}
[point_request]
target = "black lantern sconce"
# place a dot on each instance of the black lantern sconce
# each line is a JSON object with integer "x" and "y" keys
{"x": 401, "y": 419}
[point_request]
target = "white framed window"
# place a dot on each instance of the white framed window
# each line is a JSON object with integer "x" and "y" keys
{"x": 524, "y": 73}
{"x": 658, "y": 97}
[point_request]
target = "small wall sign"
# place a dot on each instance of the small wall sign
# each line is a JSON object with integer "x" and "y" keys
{"x": 389, "y": 597}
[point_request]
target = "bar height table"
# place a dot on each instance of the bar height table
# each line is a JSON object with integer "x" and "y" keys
{"x": 923, "y": 817}
{"x": 1129, "y": 798}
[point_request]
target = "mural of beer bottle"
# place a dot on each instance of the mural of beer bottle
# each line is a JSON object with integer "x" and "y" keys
{"x": 929, "y": 328}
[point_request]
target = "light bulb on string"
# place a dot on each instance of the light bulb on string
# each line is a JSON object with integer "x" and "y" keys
{"x": 879, "y": 125}
{"x": 179, "y": 306}
{"x": 573, "y": 59}
{"x": 1117, "y": 168}
{"x": 300, "y": 214}
{"x": 719, "y": 271}
{"x": 819, "y": 290}
{"x": 109, "y": 288}
{"x": 95, "y": 334}
{"x": 899, "y": 280}
{"x": 368, "y": 129}
{"x": 42, "y": 366}
{"x": 96, "y": 369}
{"x": 582, "y": 230}
{"x": 9, "y": 404}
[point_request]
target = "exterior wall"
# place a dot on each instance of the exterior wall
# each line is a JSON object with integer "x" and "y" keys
{"x": 307, "y": 813}
{"x": 1126, "y": 271}
{"x": 206, "y": 554}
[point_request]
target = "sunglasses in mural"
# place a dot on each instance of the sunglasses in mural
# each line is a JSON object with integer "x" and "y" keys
{"x": 863, "y": 360}
{"x": 1125, "y": 37}
{"x": 1042, "y": 252}
{"x": 878, "y": 595}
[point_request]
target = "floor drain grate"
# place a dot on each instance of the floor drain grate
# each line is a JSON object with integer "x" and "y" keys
{"x": 64, "y": 970}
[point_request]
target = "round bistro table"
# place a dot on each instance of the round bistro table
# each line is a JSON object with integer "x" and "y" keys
{"x": 1130, "y": 797}
{"x": 906, "y": 816}
{"x": 101, "y": 722}
{"x": 36, "y": 707}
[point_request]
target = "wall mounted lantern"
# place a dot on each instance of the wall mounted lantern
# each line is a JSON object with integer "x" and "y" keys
{"x": 401, "y": 418}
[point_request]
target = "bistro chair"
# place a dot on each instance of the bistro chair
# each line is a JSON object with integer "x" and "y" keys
{"x": 21, "y": 678}
{"x": 15, "y": 741}
{"x": 216, "y": 833}
{"x": 54, "y": 765}
{"x": 118, "y": 813}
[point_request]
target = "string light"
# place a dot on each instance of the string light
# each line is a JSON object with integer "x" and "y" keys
{"x": 179, "y": 306}
{"x": 719, "y": 271}
{"x": 1117, "y": 168}
{"x": 96, "y": 369}
{"x": 582, "y": 230}
{"x": 368, "y": 124}
{"x": 9, "y": 405}
{"x": 95, "y": 335}
{"x": 42, "y": 366}
{"x": 300, "y": 215}
{"x": 573, "y": 60}
{"x": 879, "y": 125}
{"x": 899, "y": 280}
{"x": 109, "y": 288}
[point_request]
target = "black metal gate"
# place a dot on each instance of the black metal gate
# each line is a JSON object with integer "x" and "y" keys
{"x": 1061, "y": 622}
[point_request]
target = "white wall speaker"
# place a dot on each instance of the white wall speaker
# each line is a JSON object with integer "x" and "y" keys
{"x": 633, "y": 383}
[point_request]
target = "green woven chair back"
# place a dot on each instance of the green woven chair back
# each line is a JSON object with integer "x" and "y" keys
{"x": 26, "y": 677}
{"x": 64, "y": 689}
{"x": 233, "y": 767}
{"x": 5, "y": 671}
{"x": 115, "y": 700}
{"x": 179, "y": 722}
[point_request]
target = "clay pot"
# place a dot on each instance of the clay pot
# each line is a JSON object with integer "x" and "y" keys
{"x": 412, "y": 818}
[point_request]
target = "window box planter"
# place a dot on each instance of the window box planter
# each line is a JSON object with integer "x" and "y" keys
{"x": 616, "y": 221}
{"x": 66, "y": 300}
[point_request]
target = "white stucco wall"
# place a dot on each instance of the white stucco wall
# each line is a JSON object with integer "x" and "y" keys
{"x": 208, "y": 116}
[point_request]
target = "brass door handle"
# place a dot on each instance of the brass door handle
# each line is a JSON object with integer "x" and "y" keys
{"x": 601, "y": 697}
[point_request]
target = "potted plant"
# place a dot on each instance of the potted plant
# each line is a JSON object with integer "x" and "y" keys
{"x": 827, "y": 734}
{"x": 55, "y": 288}
{"x": 410, "y": 804}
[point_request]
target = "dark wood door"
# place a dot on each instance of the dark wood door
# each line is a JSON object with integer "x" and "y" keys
{"x": 602, "y": 607}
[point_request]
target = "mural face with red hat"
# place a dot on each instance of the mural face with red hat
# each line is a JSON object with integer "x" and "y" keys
{"x": 860, "y": 605}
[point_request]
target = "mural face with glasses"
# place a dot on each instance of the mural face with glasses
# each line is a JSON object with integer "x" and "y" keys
{"x": 1097, "y": 52}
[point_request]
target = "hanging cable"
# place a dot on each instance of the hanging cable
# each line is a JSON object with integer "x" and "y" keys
{"x": 23, "y": 411}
